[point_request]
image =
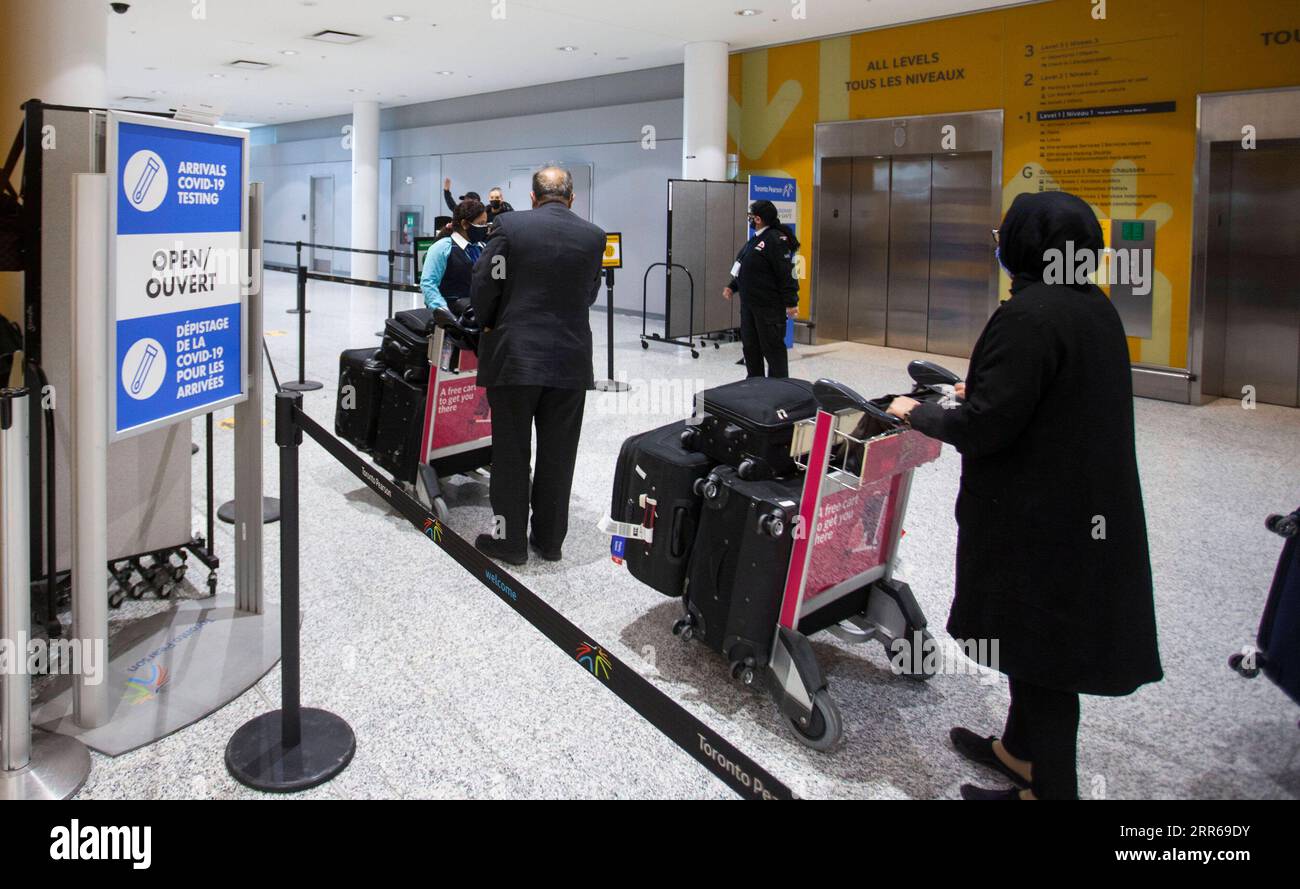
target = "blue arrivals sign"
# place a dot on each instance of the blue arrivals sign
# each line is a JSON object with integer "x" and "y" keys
{"x": 176, "y": 269}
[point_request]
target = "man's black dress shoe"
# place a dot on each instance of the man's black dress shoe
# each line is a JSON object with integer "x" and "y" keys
{"x": 550, "y": 555}
{"x": 497, "y": 549}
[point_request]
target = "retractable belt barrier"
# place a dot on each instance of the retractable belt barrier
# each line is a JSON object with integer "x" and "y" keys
{"x": 718, "y": 755}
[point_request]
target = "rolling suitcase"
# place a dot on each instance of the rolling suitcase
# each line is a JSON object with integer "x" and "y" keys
{"x": 653, "y": 466}
{"x": 738, "y": 566}
{"x": 401, "y": 423}
{"x": 361, "y": 391}
{"x": 749, "y": 424}
{"x": 405, "y": 346}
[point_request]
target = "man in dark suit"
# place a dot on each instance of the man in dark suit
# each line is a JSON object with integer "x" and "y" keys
{"x": 533, "y": 285}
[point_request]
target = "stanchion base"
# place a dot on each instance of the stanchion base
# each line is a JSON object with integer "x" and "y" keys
{"x": 302, "y": 385}
{"x": 256, "y": 758}
{"x": 270, "y": 511}
{"x": 58, "y": 767}
{"x": 295, "y": 311}
{"x": 612, "y": 386}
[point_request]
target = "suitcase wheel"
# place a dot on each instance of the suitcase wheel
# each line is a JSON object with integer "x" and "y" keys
{"x": 1239, "y": 662}
{"x": 685, "y": 628}
{"x": 743, "y": 671}
{"x": 822, "y": 729}
{"x": 773, "y": 524}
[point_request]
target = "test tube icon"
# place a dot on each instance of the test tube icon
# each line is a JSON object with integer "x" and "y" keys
{"x": 146, "y": 179}
{"x": 142, "y": 372}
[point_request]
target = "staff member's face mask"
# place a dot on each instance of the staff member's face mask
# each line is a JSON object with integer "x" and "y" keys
{"x": 478, "y": 232}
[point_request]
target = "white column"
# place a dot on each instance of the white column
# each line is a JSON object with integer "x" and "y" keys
{"x": 704, "y": 112}
{"x": 365, "y": 188}
{"x": 54, "y": 52}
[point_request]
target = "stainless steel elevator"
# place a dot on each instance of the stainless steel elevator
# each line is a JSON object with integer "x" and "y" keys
{"x": 903, "y": 254}
{"x": 907, "y": 254}
{"x": 1253, "y": 271}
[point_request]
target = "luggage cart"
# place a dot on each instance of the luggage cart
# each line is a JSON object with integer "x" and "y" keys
{"x": 846, "y": 533}
{"x": 457, "y": 436}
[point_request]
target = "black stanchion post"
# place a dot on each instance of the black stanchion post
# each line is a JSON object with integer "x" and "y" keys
{"x": 302, "y": 384}
{"x": 391, "y": 257}
{"x": 610, "y": 384}
{"x": 298, "y": 309}
{"x": 292, "y": 748}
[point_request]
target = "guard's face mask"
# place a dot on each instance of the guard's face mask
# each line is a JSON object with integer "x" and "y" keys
{"x": 478, "y": 232}
{"x": 495, "y": 205}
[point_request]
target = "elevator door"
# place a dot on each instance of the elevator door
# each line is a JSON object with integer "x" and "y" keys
{"x": 1260, "y": 239}
{"x": 905, "y": 258}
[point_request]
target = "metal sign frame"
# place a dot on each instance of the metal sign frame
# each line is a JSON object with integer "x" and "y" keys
{"x": 115, "y": 118}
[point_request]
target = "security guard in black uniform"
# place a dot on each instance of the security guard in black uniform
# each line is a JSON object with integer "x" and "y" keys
{"x": 764, "y": 277}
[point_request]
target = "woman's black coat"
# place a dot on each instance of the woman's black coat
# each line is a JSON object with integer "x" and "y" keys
{"x": 1052, "y": 555}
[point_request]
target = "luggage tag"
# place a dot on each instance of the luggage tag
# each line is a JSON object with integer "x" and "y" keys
{"x": 626, "y": 530}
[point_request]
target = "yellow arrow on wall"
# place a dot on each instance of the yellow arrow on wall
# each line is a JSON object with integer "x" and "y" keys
{"x": 755, "y": 122}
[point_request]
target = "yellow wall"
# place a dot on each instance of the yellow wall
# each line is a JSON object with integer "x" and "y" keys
{"x": 1058, "y": 54}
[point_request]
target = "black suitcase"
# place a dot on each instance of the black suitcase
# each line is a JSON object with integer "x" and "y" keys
{"x": 405, "y": 349}
{"x": 654, "y": 465}
{"x": 361, "y": 391}
{"x": 749, "y": 424}
{"x": 401, "y": 423}
{"x": 738, "y": 567}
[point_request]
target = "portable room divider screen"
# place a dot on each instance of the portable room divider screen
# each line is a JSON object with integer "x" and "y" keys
{"x": 706, "y": 229}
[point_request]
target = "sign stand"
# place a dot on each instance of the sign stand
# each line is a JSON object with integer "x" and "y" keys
{"x": 613, "y": 260}
{"x": 171, "y": 341}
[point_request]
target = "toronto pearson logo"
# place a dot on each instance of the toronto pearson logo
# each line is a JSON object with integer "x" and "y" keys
{"x": 433, "y": 530}
{"x": 593, "y": 657}
{"x": 140, "y": 689}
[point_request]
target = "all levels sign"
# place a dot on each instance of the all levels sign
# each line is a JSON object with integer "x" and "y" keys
{"x": 176, "y": 263}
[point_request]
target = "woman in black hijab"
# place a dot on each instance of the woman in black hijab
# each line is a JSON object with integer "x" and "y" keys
{"x": 1052, "y": 559}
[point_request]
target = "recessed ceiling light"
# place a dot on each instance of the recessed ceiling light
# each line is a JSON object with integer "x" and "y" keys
{"x": 156, "y": 92}
{"x": 445, "y": 73}
{"x": 354, "y": 90}
{"x": 217, "y": 76}
{"x": 567, "y": 48}
{"x": 749, "y": 12}
{"x": 398, "y": 18}
{"x": 288, "y": 52}
{"x": 331, "y": 35}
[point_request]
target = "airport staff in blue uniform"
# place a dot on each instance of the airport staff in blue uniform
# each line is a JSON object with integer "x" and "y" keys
{"x": 764, "y": 276}
{"x": 449, "y": 264}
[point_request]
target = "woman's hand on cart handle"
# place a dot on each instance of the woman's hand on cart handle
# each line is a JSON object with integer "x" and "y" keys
{"x": 901, "y": 406}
